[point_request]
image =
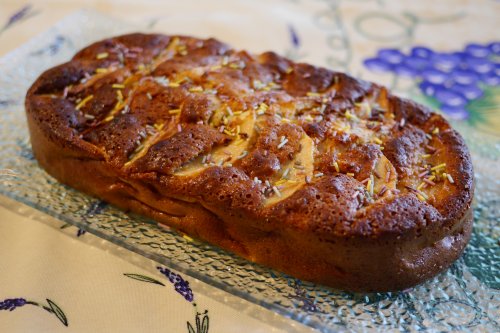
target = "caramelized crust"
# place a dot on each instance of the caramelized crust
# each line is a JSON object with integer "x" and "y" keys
{"x": 168, "y": 155}
{"x": 301, "y": 168}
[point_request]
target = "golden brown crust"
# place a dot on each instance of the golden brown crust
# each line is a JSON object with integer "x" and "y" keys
{"x": 306, "y": 170}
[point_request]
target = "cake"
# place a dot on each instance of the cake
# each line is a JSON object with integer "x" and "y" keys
{"x": 299, "y": 168}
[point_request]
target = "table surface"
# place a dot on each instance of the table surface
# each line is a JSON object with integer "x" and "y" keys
{"x": 67, "y": 280}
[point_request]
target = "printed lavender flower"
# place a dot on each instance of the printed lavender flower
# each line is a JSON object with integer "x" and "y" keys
{"x": 94, "y": 209}
{"x": 21, "y": 15}
{"x": 300, "y": 294}
{"x": 293, "y": 52}
{"x": 294, "y": 37}
{"x": 456, "y": 81}
{"x": 6, "y": 102}
{"x": 53, "y": 47}
{"x": 180, "y": 285}
{"x": 12, "y": 303}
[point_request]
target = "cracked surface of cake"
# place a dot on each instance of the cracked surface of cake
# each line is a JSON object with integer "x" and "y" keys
{"x": 300, "y": 168}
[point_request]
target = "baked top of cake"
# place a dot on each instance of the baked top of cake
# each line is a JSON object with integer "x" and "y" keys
{"x": 181, "y": 129}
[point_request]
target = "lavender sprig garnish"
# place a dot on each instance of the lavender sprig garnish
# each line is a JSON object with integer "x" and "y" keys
{"x": 21, "y": 15}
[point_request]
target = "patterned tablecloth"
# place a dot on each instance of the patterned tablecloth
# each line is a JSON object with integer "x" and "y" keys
{"x": 56, "y": 277}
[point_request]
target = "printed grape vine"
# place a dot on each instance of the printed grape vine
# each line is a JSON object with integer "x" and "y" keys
{"x": 455, "y": 81}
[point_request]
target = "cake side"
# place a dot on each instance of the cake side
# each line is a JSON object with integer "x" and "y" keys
{"x": 305, "y": 170}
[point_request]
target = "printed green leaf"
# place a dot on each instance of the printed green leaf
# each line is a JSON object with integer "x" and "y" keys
{"x": 143, "y": 278}
{"x": 484, "y": 114}
{"x": 198, "y": 324}
{"x": 190, "y": 328}
{"x": 55, "y": 309}
{"x": 204, "y": 325}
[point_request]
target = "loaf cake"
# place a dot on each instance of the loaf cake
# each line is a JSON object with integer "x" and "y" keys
{"x": 299, "y": 168}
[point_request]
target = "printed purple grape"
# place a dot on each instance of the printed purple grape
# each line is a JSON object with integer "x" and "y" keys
{"x": 480, "y": 66}
{"x": 450, "y": 98}
{"x": 494, "y": 48}
{"x": 491, "y": 79}
{"x": 470, "y": 92}
{"x": 464, "y": 77}
{"x": 421, "y": 52}
{"x": 478, "y": 51}
{"x": 458, "y": 113}
{"x": 405, "y": 70}
{"x": 453, "y": 79}
{"x": 391, "y": 56}
{"x": 377, "y": 65}
{"x": 435, "y": 76}
{"x": 428, "y": 88}
{"x": 445, "y": 61}
{"x": 416, "y": 63}
{"x": 462, "y": 55}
